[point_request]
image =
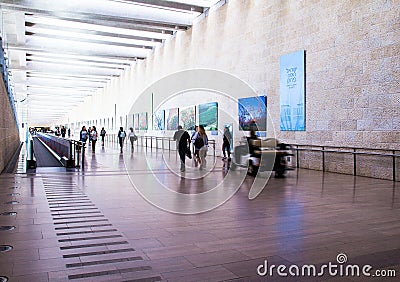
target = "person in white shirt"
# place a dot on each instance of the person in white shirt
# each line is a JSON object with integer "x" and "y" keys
{"x": 202, "y": 146}
{"x": 93, "y": 135}
{"x": 132, "y": 137}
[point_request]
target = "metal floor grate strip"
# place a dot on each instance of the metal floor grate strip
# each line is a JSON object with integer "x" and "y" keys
{"x": 70, "y": 206}
{"x": 68, "y": 199}
{"x": 149, "y": 279}
{"x": 108, "y": 272}
{"x": 71, "y": 213}
{"x": 97, "y": 262}
{"x": 82, "y": 226}
{"x": 85, "y": 232}
{"x": 80, "y": 221}
{"x": 76, "y": 217}
{"x": 94, "y": 245}
{"x": 90, "y": 238}
{"x": 99, "y": 253}
{"x": 66, "y": 196}
{"x": 74, "y": 209}
{"x": 58, "y": 203}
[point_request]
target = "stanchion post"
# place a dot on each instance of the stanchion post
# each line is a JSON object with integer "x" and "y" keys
{"x": 394, "y": 165}
{"x": 83, "y": 156}
{"x": 31, "y": 150}
{"x": 354, "y": 162}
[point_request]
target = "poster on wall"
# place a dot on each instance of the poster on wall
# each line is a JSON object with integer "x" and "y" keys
{"x": 253, "y": 113}
{"x": 208, "y": 116}
{"x": 136, "y": 121}
{"x": 292, "y": 91}
{"x": 159, "y": 120}
{"x": 187, "y": 117}
{"x": 143, "y": 121}
{"x": 172, "y": 118}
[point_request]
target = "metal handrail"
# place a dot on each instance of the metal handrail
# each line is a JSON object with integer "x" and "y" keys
{"x": 349, "y": 150}
{"x": 147, "y": 141}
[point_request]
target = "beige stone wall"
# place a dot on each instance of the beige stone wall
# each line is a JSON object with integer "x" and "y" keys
{"x": 9, "y": 138}
{"x": 352, "y": 68}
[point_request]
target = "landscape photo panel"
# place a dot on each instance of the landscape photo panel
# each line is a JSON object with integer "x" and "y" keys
{"x": 208, "y": 116}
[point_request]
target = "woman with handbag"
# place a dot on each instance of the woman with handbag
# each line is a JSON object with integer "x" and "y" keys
{"x": 132, "y": 137}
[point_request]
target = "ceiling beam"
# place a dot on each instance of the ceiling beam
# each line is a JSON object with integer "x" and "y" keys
{"x": 166, "y": 4}
{"x": 85, "y": 40}
{"x": 65, "y": 52}
{"x": 92, "y": 32}
{"x": 39, "y": 60}
{"x": 95, "y": 18}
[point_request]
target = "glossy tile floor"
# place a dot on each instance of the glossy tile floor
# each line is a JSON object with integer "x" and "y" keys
{"x": 95, "y": 226}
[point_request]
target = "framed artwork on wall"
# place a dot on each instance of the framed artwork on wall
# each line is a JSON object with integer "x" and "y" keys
{"x": 253, "y": 113}
{"x": 187, "y": 117}
{"x": 136, "y": 121}
{"x": 159, "y": 120}
{"x": 208, "y": 116}
{"x": 143, "y": 123}
{"x": 172, "y": 118}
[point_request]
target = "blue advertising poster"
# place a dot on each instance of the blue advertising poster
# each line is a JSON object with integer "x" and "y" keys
{"x": 292, "y": 92}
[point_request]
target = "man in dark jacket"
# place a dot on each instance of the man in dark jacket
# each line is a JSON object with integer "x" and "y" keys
{"x": 182, "y": 139}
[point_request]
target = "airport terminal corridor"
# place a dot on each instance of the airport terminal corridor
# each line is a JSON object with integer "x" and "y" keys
{"x": 266, "y": 140}
{"x": 92, "y": 225}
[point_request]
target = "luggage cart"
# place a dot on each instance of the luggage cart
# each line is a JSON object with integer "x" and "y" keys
{"x": 263, "y": 155}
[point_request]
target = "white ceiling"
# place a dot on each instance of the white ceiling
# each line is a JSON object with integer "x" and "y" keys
{"x": 60, "y": 52}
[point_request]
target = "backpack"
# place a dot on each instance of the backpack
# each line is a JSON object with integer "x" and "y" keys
{"x": 199, "y": 142}
{"x": 122, "y": 134}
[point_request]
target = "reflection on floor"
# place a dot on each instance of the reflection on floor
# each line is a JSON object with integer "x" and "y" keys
{"x": 95, "y": 226}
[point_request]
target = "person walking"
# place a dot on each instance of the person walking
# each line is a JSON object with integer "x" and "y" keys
{"x": 83, "y": 134}
{"x": 93, "y": 135}
{"x": 196, "y": 151}
{"x": 102, "y": 134}
{"x": 63, "y": 131}
{"x": 182, "y": 139}
{"x": 201, "y": 143}
{"x": 132, "y": 136}
{"x": 89, "y": 135}
{"x": 226, "y": 143}
{"x": 121, "y": 137}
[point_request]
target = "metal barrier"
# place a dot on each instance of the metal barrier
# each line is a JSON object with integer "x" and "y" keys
{"x": 153, "y": 142}
{"x": 77, "y": 148}
{"x": 355, "y": 151}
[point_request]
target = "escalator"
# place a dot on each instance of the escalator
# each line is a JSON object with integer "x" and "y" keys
{"x": 44, "y": 158}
